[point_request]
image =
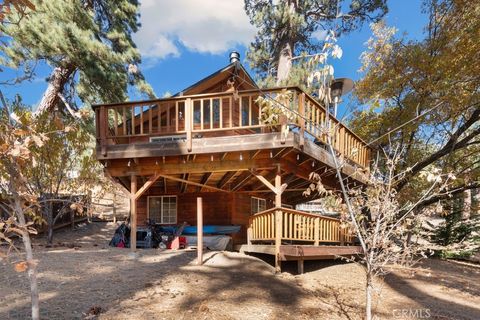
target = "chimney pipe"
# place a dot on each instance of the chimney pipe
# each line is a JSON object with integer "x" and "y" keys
{"x": 234, "y": 57}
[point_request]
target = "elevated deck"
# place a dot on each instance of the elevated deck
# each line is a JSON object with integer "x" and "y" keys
{"x": 213, "y": 141}
{"x": 152, "y": 124}
{"x": 300, "y": 253}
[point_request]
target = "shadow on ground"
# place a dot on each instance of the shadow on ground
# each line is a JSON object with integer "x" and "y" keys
{"x": 448, "y": 298}
{"x": 169, "y": 285}
{"x": 156, "y": 285}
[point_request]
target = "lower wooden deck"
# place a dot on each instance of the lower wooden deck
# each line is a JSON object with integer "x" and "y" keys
{"x": 302, "y": 252}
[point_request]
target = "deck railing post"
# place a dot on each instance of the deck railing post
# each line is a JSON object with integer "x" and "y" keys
{"x": 188, "y": 122}
{"x": 342, "y": 234}
{"x": 316, "y": 235}
{"x": 278, "y": 239}
{"x": 250, "y": 231}
{"x": 301, "y": 111}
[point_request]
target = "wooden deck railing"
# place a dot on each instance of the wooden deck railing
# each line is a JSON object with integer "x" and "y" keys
{"x": 292, "y": 225}
{"x": 227, "y": 112}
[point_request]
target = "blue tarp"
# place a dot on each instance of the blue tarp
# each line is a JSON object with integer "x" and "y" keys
{"x": 210, "y": 229}
{"x": 207, "y": 229}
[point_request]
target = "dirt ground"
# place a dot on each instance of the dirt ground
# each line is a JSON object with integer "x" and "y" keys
{"x": 168, "y": 285}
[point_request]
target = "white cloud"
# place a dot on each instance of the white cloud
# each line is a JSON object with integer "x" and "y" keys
{"x": 320, "y": 34}
{"x": 161, "y": 47}
{"x": 206, "y": 26}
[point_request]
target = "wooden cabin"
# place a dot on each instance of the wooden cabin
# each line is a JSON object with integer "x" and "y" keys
{"x": 208, "y": 141}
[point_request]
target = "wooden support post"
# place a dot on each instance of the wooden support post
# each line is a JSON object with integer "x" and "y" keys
{"x": 250, "y": 231}
{"x": 147, "y": 185}
{"x": 278, "y": 221}
{"x": 133, "y": 214}
{"x": 189, "y": 122}
{"x": 278, "y": 187}
{"x": 316, "y": 234}
{"x": 278, "y": 239}
{"x": 300, "y": 264}
{"x": 199, "y": 231}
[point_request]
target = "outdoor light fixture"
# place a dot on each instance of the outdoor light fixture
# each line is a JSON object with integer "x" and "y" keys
{"x": 128, "y": 164}
{"x": 338, "y": 88}
{"x": 241, "y": 157}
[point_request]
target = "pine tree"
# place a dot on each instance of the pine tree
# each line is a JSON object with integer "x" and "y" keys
{"x": 88, "y": 44}
{"x": 287, "y": 29}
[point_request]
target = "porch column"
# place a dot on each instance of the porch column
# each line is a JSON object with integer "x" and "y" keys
{"x": 300, "y": 266}
{"x": 199, "y": 231}
{"x": 278, "y": 220}
{"x": 278, "y": 189}
{"x": 133, "y": 214}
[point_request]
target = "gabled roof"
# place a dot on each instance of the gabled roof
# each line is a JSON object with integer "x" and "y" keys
{"x": 235, "y": 70}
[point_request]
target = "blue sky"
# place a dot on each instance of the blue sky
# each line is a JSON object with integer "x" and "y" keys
{"x": 182, "y": 41}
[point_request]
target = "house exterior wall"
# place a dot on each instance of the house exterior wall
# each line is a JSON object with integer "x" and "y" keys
{"x": 219, "y": 208}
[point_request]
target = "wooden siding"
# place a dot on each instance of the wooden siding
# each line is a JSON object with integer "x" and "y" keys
{"x": 218, "y": 209}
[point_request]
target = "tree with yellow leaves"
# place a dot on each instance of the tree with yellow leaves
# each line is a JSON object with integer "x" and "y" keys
{"x": 20, "y": 6}
{"x": 425, "y": 96}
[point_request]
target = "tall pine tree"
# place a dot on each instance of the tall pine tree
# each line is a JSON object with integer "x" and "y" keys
{"x": 88, "y": 44}
{"x": 291, "y": 28}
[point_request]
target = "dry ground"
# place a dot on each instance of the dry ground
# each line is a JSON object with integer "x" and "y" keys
{"x": 168, "y": 285}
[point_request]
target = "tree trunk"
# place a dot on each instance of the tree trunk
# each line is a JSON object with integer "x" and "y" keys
{"x": 287, "y": 46}
{"x": 48, "y": 214}
{"x": 406, "y": 244}
{"x": 32, "y": 266}
{"x": 284, "y": 63}
{"x": 467, "y": 204}
{"x": 56, "y": 84}
{"x": 368, "y": 296}
{"x": 476, "y": 202}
